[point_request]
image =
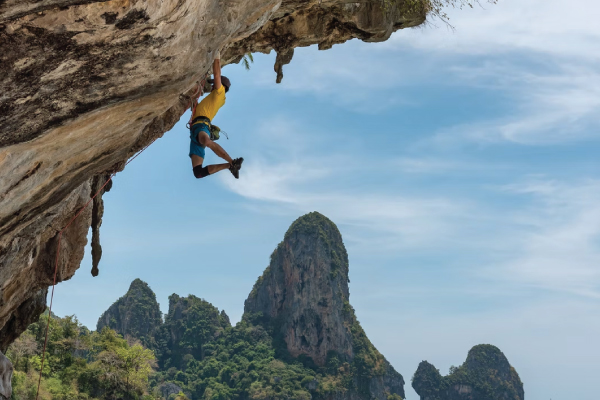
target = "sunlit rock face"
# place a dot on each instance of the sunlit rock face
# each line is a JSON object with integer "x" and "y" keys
{"x": 304, "y": 291}
{"x": 85, "y": 84}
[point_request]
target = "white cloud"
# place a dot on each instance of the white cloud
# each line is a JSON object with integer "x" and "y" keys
{"x": 552, "y": 108}
{"x": 286, "y": 178}
{"x": 553, "y": 27}
{"x": 559, "y": 240}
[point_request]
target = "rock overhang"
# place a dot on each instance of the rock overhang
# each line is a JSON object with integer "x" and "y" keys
{"x": 86, "y": 84}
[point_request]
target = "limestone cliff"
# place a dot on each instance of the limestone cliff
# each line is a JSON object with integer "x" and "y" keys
{"x": 87, "y": 83}
{"x": 485, "y": 375}
{"x": 303, "y": 299}
{"x": 136, "y": 314}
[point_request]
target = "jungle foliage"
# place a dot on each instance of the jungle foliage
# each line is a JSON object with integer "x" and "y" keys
{"x": 79, "y": 364}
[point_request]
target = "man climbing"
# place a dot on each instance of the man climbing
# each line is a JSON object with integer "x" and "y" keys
{"x": 200, "y": 128}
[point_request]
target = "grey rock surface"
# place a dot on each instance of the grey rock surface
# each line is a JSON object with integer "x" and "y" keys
{"x": 305, "y": 289}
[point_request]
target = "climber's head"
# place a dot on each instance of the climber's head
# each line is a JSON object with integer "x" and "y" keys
{"x": 224, "y": 81}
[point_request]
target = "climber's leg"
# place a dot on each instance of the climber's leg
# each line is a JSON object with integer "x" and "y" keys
{"x": 205, "y": 141}
{"x": 201, "y": 172}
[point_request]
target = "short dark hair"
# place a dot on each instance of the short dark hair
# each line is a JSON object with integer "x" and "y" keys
{"x": 224, "y": 81}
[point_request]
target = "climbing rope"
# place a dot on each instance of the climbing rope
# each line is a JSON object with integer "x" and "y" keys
{"x": 58, "y": 253}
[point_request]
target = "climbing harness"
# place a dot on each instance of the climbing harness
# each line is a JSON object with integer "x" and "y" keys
{"x": 215, "y": 131}
{"x": 58, "y": 253}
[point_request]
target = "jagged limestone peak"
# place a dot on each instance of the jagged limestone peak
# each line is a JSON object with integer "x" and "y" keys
{"x": 302, "y": 299}
{"x": 136, "y": 314}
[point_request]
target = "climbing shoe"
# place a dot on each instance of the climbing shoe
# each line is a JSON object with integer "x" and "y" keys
{"x": 236, "y": 165}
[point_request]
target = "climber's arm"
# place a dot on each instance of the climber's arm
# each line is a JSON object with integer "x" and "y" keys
{"x": 217, "y": 71}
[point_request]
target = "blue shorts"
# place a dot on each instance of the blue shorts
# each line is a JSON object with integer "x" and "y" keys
{"x": 195, "y": 147}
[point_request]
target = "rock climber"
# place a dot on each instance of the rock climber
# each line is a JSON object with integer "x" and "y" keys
{"x": 200, "y": 128}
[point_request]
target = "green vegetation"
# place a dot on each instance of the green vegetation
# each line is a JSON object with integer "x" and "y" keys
{"x": 247, "y": 60}
{"x": 246, "y": 362}
{"x": 189, "y": 326}
{"x": 208, "y": 360}
{"x": 79, "y": 364}
{"x": 136, "y": 314}
{"x": 240, "y": 363}
{"x": 435, "y": 8}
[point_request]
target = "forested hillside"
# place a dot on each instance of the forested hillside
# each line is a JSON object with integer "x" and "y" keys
{"x": 79, "y": 363}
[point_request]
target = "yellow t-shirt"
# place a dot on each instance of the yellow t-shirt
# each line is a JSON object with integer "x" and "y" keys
{"x": 209, "y": 105}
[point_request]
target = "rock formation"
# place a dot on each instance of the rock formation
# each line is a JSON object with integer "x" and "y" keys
{"x": 136, "y": 314}
{"x": 485, "y": 375}
{"x": 304, "y": 291}
{"x": 303, "y": 299}
{"x": 190, "y": 324}
{"x": 87, "y": 83}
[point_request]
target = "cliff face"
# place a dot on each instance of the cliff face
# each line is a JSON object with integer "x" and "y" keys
{"x": 303, "y": 299}
{"x": 304, "y": 291}
{"x": 136, "y": 314}
{"x": 485, "y": 375}
{"x": 87, "y": 83}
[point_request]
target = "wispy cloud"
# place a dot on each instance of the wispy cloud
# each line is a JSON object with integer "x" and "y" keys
{"x": 550, "y": 108}
{"x": 559, "y": 245}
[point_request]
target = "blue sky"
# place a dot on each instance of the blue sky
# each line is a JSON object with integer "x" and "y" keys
{"x": 460, "y": 166}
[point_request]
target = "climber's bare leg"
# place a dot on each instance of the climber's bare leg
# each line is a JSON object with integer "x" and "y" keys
{"x": 205, "y": 141}
{"x": 197, "y": 161}
{"x": 217, "y": 167}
